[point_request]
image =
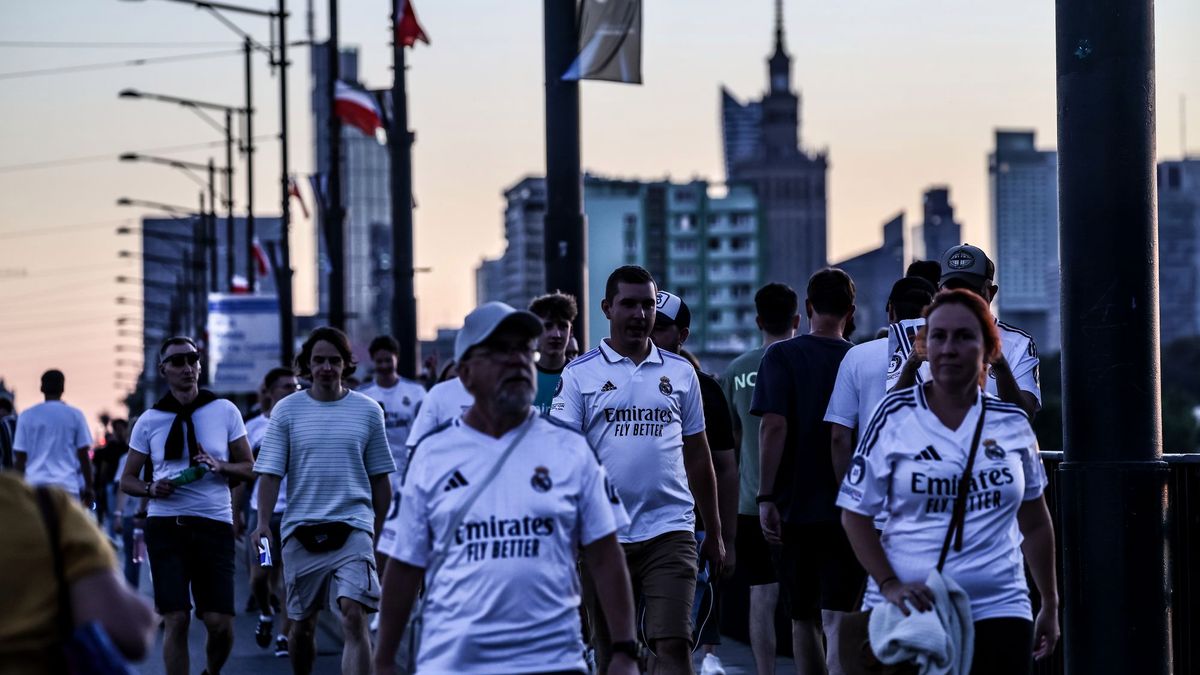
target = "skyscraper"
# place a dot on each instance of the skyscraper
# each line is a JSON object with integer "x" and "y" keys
{"x": 366, "y": 195}
{"x": 874, "y": 272}
{"x": 939, "y": 229}
{"x": 789, "y": 181}
{"x": 1179, "y": 248}
{"x": 1023, "y": 182}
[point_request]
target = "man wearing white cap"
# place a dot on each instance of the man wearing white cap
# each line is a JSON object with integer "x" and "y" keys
{"x": 641, "y": 409}
{"x": 495, "y": 505}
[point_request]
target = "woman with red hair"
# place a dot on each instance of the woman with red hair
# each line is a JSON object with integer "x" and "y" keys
{"x": 946, "y": 449}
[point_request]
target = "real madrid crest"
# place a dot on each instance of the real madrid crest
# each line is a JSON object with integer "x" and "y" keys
{"x": 407, "y": 401}
{"x": 541, "y": 479}
{"x": 858, "y": 470}
{"x": 992, "y": 449}
{"x": 664, "y": 385}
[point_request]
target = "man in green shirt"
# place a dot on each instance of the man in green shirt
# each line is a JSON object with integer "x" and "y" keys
{"x": 778, "y": 317}
{"x": 557, "y": 311}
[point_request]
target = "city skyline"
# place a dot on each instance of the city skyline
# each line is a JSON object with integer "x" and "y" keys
{"x": 895, "y": 115}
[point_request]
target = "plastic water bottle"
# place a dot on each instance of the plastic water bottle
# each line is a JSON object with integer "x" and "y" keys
{"x": 139, "y": 545}
{"x": 190, "y": 475}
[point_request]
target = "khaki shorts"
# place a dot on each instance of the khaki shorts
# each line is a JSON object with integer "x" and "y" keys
{"x": 314, "y": 581}
{"x": 663, "y": 573}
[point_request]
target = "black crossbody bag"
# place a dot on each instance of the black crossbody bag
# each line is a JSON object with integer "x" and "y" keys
{"x": 323, "y": 537}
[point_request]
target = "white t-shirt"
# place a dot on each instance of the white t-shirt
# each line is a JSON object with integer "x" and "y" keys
{"x": 256, "y": 429}
{"x": 860, "y": 384}
{"x": 636, "y": 417}
{"x": 400, "y": 404}
{"x": 217, "y": 425}
{"x": 443, "y": 402}
{"x": 908, "y": 465}
{"x": 50, "y": 434}
{"x": 506, "y": 598}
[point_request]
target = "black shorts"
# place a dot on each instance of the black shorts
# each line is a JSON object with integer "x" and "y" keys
{"x": 191, "y": 556}
{"x": 753, "y": 554}
{"x": 818, "y": 570}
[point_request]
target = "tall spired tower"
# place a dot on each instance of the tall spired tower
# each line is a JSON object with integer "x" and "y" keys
{"x": 762, "y": 148}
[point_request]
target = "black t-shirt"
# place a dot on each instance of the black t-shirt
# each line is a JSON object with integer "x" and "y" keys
{"x": 795, "y": 380}
{"x": 718, "y": 427}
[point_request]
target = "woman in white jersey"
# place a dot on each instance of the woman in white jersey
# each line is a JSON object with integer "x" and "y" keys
{"x": 907, "y": 468}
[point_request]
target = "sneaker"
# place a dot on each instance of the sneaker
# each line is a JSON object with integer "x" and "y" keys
{"x": 711, "y": 665}
{"x": 262, "y": 634}
{"x": 281, "y": 646}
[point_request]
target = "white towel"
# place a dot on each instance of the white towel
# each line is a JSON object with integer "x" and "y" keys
{"x": 940, "y": 642}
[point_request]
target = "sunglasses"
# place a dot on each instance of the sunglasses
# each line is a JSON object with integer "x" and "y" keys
{"x": 177, "y": 360}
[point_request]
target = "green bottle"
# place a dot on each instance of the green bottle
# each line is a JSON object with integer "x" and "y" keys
{"x": 190, "y": 475}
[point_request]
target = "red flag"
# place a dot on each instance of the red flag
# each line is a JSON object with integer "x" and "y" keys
{"x": 294, "y": 191}
{"x": 408, "y": 30}
{"x": 358, "y": 109}
{"x": 260, "y": 259}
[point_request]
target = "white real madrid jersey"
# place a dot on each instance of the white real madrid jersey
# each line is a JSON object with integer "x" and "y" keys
{"x": 400, "y": 404}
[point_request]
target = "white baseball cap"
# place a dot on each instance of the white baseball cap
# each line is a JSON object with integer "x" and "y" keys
{"x": 486, "y": 318}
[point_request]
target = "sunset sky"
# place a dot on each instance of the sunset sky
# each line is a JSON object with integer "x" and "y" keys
{"x": 902, "y": 95}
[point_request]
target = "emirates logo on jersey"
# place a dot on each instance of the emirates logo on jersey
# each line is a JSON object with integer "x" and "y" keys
{"x": 541, "y": 479}
{"x": 664, "y": 385}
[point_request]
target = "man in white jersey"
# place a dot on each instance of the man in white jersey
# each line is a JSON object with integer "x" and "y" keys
{"x": 862, "y": 374}
{"x": 52, "y": 442}
{"x": 640, "y": 407}
{"x": 278, "y": 384}
{"x": 195, "y": 443}
{"x": 1014, "y": 378}
{"x": 400, "y": 398}
{"x": 501, "y": 592}
{"x": 331, "y": 445}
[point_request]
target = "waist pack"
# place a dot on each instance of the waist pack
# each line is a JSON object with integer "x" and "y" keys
{"x": 323, "y": 537}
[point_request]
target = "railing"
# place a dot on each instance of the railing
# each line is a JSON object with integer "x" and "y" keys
{"x": 1183, "y": 551}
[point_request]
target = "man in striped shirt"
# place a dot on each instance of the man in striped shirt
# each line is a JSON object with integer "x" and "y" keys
{"x": 331, "y": 444}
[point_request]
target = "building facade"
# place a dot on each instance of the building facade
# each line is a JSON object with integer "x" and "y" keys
{"x": 874, "y": 272}
{"x": 1179, "y": 249}
{"x": 938, "y": 230}
{"x": 1023, "y": 185}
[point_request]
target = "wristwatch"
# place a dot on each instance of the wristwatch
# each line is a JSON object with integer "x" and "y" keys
{"x": 629, "y": 648}
{"x": 764, "y": 498}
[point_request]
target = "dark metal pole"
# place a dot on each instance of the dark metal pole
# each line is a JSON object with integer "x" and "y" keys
{"x": 1113, "y": 482}
{"x": 246, "y": 49}
{"x": 284, "y": 273}
{"x": 404, "y": 301}
{"x": 199, "y": 292}
{"x": 229, "y": 230}
{"x": 565, "y": 237}
{"x": 335, "y": 232}
{"x": 210, "y": 227}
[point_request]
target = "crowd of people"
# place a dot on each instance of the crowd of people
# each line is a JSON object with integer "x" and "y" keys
{"x": 538, "y": 510}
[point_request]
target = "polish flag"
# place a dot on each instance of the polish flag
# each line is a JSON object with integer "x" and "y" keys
{"x": 294, "y": 191}
{"x": 260, "y": 259}
{"x": 238, "y": 285}
{"x": 408, "y": 30}
{"x": 358, "y": 109}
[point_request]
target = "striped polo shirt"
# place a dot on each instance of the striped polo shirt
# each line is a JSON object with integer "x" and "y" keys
{"x": 328, "y": 450}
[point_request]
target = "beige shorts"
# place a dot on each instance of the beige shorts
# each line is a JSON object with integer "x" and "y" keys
{"x": 315, "y": 581}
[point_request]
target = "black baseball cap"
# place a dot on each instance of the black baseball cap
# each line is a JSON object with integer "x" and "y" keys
{"x": 968, "y": 263}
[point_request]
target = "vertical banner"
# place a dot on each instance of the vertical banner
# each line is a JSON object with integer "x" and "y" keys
{"x": 243, "y": 341}
{"x": 610, "y": 42}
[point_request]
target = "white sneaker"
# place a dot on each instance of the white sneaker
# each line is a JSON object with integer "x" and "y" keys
{"x": 711, "y": 665}
{"x": 375, "y": 623}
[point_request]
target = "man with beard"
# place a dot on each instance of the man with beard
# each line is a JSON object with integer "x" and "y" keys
{"x": 195, "y": 443}
{"x": 330, "y": 443}
{"x": 493, "y": 522}
{"x": 640, "y": 407}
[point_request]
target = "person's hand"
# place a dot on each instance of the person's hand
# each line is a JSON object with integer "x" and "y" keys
{"x": 215, "y": 465}
{"x": 768, "y": 517}
{"x": 902, "y": 595}
{"x": 622, "y": 664}
{"x": 1045, "y": 632}
{"x": 712, "y": 551}
{"x": 87, "y": 495}
{"x": 730, "y": 560}
{"x": 161, "y": 488}
{"x": 263, "y": 530}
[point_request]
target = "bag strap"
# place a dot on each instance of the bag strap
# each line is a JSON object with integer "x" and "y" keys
{"x": 957, "y": 518}
{"x": 50, "y": 520}
{"x": 442, "y": 550}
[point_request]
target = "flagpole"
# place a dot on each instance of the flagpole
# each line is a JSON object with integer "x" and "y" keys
{"x": 404, "y": 302}
{"x": 247, "y": 51}
{"x": 334, "y": 222}
{"x": 283, "y": 272}
{"x": 564, "y": 238}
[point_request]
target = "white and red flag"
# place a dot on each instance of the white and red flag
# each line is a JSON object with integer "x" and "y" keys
{"x": 358, "y": 108}
{"x": 294, "y": 191}
{"x": 261, "y": 261}
{"x": 408, "y": 29}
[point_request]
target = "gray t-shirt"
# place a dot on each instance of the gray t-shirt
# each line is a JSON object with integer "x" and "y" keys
{"x": 328, "y": 451}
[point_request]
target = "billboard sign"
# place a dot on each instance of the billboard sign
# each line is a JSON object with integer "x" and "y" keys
{"x": 243, "y": 341}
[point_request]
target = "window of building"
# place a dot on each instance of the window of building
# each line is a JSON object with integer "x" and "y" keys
{"x": 739, "y": 243}
{"x": 714, "y": 243}
{"x": 686, "y": 223}
{"x": 714, "y": 316}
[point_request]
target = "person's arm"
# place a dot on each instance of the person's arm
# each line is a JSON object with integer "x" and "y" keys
{"x": 1009, "y": 391}
{"x": 105, "y": 598}
{"x": 133, "y": 485}
{"x": 606, "y": 563}
{"x": 864, "y": 539}
{"x": 908, "y": 374}
{"x": 401, "y": 581}
{"x": 240, "y": 465}
{"x": 381, "y": 499}
{"x": 19, "y": 459}
{"x": 88, "y": 492}
{"x": 841, "y": 446}
{"x": 697, "y": 463}
{"x": 772, "y": 433}
{"x": 268, "y": 494}
{"x": 726, "y": 470}
{"x": 1033, "y": 519}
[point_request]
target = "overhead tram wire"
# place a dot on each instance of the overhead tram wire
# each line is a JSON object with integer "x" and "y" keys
{"x": 153, "y": 60}
{"x": 72, "y": 44}
{"x": 107, "y": 157}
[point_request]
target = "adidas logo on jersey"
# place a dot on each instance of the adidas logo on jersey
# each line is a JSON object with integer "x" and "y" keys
{"x": 608, "y": 386}
{"x": 928, "y": 455}
{"x": 456, "y": 481}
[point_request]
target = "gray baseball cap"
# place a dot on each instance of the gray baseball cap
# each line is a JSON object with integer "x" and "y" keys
{"x": 486, "y": 319}
{"x": 968, "y": 263}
